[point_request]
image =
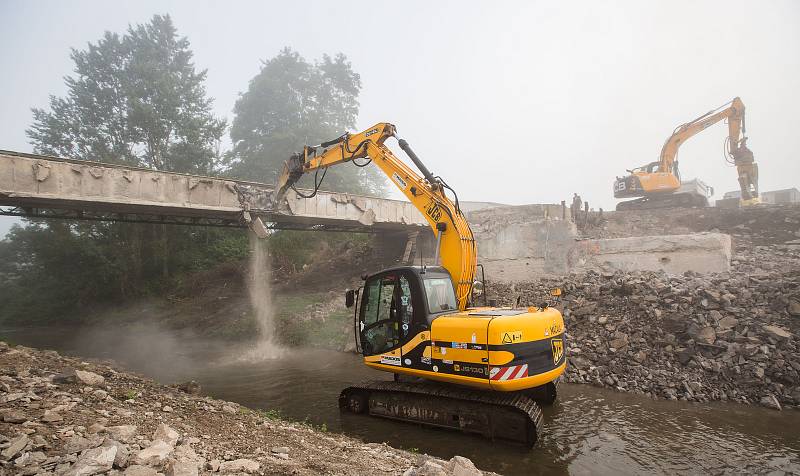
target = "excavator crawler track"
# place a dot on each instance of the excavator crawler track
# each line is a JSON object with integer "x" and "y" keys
{"x": 495, "y": 415}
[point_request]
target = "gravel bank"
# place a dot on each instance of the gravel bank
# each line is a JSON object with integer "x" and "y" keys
{"x": 59, "y": 415}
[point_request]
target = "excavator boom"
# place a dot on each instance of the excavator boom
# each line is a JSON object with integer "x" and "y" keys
{"x": 456, "y": 244}
{"x": 658, "y": 184}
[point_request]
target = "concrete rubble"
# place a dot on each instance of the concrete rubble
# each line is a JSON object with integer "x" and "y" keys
{"x": 721, "y": 336}
{"x": 120, "y": 433}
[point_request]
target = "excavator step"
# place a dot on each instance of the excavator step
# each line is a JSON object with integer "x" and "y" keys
{"x": 495, "y": 415}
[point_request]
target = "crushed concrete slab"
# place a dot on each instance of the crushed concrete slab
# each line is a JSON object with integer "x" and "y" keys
{"x": 673, "y": 254}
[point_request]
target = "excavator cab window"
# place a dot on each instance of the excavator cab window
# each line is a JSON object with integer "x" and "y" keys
{"x": 440, "y": 294}
{"x": 387, "y": 313}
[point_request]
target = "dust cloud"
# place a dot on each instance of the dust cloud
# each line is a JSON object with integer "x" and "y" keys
{"x": 260, "y": 291}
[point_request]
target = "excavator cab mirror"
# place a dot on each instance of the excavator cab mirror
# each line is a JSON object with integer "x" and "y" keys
{"x": 349, "y": 298}
{"x": 477, "y": 288}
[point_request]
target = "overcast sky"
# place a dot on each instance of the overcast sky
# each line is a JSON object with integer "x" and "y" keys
{"x": 512, "y": 102}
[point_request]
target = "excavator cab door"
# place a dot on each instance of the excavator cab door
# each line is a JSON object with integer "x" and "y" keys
{"x": 392, "y": 315}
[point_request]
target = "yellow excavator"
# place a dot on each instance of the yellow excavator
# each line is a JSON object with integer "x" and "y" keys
{"x": 457, "y": 365}
{"x": 658, "y": 184}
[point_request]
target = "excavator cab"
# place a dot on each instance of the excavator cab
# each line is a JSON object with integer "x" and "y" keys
{"x": 398, "y": 304}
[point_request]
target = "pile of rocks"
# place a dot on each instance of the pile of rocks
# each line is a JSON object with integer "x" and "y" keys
{"x": 61, "y": 416}
{"x": 731, "y": 336}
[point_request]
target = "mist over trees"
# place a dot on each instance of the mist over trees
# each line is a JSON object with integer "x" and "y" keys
{"x": 291, "y": 103}
{"x": 137, "y": 99}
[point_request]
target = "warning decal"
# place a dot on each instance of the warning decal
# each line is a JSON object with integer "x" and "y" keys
{"x": 512, "y": 337}
{"x": 509, "y": 373}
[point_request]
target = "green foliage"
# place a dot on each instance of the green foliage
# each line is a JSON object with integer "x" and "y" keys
{"x": 134, "y": 99}
{"x": 271, "y": 414}
{"x": 291, "y": 103}
{"x": 137, "y": 100}
{"x": 297, "y": 248}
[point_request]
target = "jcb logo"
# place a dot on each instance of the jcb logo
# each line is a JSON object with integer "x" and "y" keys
{"x": 433, "y": 211}
{"x": 558, "y": 350}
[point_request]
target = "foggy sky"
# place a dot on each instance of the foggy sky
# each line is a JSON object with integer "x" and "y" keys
{"x": 512, "y": 102}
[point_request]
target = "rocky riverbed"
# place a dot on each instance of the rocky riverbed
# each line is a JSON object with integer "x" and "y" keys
{"x": 730, "y": 336}
{"x": 64, "y": 416}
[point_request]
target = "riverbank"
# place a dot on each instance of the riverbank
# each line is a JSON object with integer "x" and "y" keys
{"x": 61, "y": 415}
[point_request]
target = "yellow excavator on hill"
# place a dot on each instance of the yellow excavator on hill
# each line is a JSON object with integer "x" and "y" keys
{"x": 658, "y": 184}
{"x": 457, "y": 365}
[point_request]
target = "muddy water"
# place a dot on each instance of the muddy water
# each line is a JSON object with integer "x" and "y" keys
{"x": 589, "y": 430}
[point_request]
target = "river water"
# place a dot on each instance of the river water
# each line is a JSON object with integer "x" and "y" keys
{"x": 588, "y": 431}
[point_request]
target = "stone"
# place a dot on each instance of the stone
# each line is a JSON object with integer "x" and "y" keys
{"x": 76, "y": 444}
{"x": 94, "y": 461}
{"x": 229, "y": 409}
{"x": 89, "y": 378}
{"x": 166, "y": 409}
{"x": 728, "y": 322}
{"x": 139, "y": 470}
{"x": 777, "y": 333}
{"x": 239, "y": 466}
{"x": 123, "y": 433}
{"x": 15, "y": 416}
{"x": 191, "y": 387}
{"x": 770, "y": 401}
{"x": 51, "y": 416}
{"x": 182, "y": 468}
{"x": 154, "y": 455}
{"x": 65, "y": 378}
{"x": 213, "y": 465}
{"x": 704, "y": 335}
{"x": 620, "y": 340}
{"x": 95, "y": 428}
{"x": 15, "y": 447}
{"x": 30, "y": 458}
{"x": 280, "y": 449}
{"x": 166, "y": 434}
{"x": 429, "y": 468}
{"x": 121, "y": 459}
{"x": 100, "y": 394}
{"x": 461, "y": 466}
{"x": 794, "y": 307}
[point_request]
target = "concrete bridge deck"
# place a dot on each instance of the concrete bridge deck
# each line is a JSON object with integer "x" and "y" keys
{"x": 41, "y": 186}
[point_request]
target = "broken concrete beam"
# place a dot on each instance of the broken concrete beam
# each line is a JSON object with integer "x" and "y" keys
{"x": 674, "y": 254}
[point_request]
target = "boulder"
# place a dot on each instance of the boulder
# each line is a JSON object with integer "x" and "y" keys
{"x": 139, "y": 470}
{"x": 121, "y": 459}
{"x": 776, "y": 332}
{"x": 460, "y": 466}
{"x": 51, "y": 416}
{"x": 154, "y": 455}
{"x": 239, "y": 466}
{"x": 166, "y": 434}
{"x": 15, "y": 416}
{"x": 89, "y": 378}
{"x": 94, "y": 461}
{"x": 76, "y": 444}
{"x": 123, "y": 433}
{"x": 15, "y": 447}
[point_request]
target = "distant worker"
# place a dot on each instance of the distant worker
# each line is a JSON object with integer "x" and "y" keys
{"x": 575, "y": 208}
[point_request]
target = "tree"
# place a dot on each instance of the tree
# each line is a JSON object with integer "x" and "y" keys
{"x": 135, "y": 99}
{"x": 291, "y": 103}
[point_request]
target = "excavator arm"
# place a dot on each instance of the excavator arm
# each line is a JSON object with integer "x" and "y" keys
{"x": 455, "y": 242}
{"x": 736, "y": 144}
